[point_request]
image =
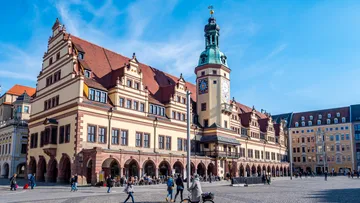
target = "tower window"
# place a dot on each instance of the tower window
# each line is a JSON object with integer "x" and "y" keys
{"x": 203, "y": 106}
{"x": 224, "y": 74}
{"x": 214, "y": 82}
{"x": 80, "y": 55}
{"x": 206, "y": 123}
{"x": 58, "y": 56}
{"x": 214, "y": 72}
{"x": 202, "y": 73}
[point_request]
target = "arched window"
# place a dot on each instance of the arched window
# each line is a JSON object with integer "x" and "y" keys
{"x": 329, "y": 115}
{"x": 311, "y": 117}
{"x": 296, "y": 124}
{"x": 343, "y": 119}
{"x": 303, "y": 123}
{"x": 328, "y": 121}
{"x": 302, "y": 118}
{"x": 320, "y": 116}
{"x": 310, "y": 123}
{"x": 338, "y": 114}
{"x": 335, "y": 120}
{"x": 319, "y": 122}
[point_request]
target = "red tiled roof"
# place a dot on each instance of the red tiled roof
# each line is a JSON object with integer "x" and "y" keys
{"x": 20, "y": 89}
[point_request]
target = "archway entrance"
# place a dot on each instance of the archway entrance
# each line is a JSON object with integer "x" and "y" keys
{"x": 259, "y": 170}
{"x": 277, "y": 171}
{"x": 131, "y": 168}
{"x": 111, "y": 167}
{"x": 179, "y": 168}
{"x": 273, "y": 171}
{"x": 247, "y": 170}
{"x": 253, "y": 170}
{"x": 201, "y": 170}
{"x": 164, "y": 169}
{"x": 281, "y": 171}
{"x": 6, "y": 170}
{"x": 20, "y": 170}
{"x": 241, "y": 171}
{"x": 32, "y": 166}
{"x": 53, "y": 171}
{"x": 211, "y": 169}
{"x": 40, "y": 175}
{"x": 268, "y": 169}
{"x": 89, "y": 169}
{"x": 149, "y": 168}
{"x": 65, "y": 169}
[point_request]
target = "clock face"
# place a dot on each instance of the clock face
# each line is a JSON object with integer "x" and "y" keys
{"x": 225, "y": 91}
{"x": 203, "y": 86}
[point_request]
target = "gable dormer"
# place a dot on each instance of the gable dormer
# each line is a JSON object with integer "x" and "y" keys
{"x": 133, "y": 75}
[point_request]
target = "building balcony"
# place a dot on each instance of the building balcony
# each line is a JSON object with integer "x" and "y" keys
{"x": 13, "y": 122}
{"x": 223, "y": 154}
{"x": 226, "y": 108}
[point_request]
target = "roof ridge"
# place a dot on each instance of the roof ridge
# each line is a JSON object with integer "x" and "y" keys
{"x": 322, "y": 110}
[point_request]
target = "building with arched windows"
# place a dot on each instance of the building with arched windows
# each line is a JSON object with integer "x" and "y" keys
{"x": 98, "y": 113}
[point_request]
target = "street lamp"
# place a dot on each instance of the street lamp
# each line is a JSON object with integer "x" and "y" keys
{"x": 195, "y": 133}
{"x": 155, "y": 123}
{"x": 110, "y": 114}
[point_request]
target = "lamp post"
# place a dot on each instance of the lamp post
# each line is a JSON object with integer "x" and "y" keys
{"x": 155, "y": 123}
{"x": 110, "y": 114}
{"x": 188, "y": 93}
{"x": 195, "y": 133}
{"x": 290, "y": 154}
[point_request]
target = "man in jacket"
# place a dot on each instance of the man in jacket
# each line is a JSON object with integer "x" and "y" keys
{"x": 195, "y": 189}
{"x": 109, "y": 183}
{"x": 13, "y": 182}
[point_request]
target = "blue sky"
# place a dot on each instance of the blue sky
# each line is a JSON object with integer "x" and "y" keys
{"x": 285, "y": 56}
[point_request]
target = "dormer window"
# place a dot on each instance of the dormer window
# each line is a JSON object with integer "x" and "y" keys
{"x": 87, "y": 73}
{"x": 50, "y": 61}
{"x": 80, "y": 55}
{"x": 97, "y": 95}
{"x": 129, "y": 83}
{"x": 302, "y": 118}
{"x": 320, "y": 116}
{"x": 296, "y": 124}
{"x": 157, "y": 110}
{"x": 343, "y": 119}
{"x": 328, "y": 121}
{"x": 310, "y": 123}
{"x": 310, "y": 117}
{"x": 336, "y": 120}
{"x": 303, "y": 123}
{"x": 329, "y": 115}
{"x": 136, "y": 85}
{"x": 319, "y": 122}
{"x": 338, "y": 114}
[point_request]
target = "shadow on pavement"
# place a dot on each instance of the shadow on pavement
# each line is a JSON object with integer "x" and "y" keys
{"x": 337, "y": 195}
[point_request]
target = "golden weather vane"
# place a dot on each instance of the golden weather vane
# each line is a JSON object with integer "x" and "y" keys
{"x": 211, "y": 9}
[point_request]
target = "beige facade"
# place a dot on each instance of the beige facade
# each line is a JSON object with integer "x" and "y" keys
{"x": 97, "y": 113}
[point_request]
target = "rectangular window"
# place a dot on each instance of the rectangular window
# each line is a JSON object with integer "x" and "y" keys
{"x": 115, "y": 136}
{"x": 23, "y": 148}
{"x": 54, "y": 135}
{"x": 87, "y": 74}
{"x": 92, "y": 94}
{"x": 138, "y": 141}
{"x": 225, "y": 124}
{"x": 173, "y": 114}
{"x": 177, "y": 116}
{"x": 102, "y": 135}
{"x": 97, "y": 95}
{"x": 182, "y": 117}
{"x": 58, "y": 56}
{"x": 146, "y": 140}
{"x": 206, "y": 123}
{"x": 214, "y": 72}
{"x": 168, "y": 143}
{"x": 26, "y": 109}
{"x": 136, "y": 85}
{"x": 67, "y": 133}
{"x": 342, "y": 137}
{"x": 142, "y": 107}
{"x": 128, "y": 104}
{"x": 103, "y": 97}
{"x": 129, "y": 83}
{"x": 161, "y": 142}
{"x": 202, "y": 73}
{"x": 124, "y": 137}
{"x": 184, "y": 100}
{"x": 136, "y": 105}
{"x": 121, "y": 102}
{"x": 61, "y": 134}
{"x": 347, "y": 137}
{"x": 203, "y": 106}
{"x": 91, "y": 133}
{"x": 180, "y": 144}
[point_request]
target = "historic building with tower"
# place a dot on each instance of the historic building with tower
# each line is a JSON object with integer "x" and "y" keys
{"x": 97, "y": 113}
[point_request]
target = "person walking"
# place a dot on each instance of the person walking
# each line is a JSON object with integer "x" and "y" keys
{"x": 13, "y": 182}
{"x": 195, "y": 189}
{"x": 76, "y": 182}
{"x": 72, "y": 183}
{"x": 170, "y": 187}
{"x": 326, "y": 174}
{"x": 32, "y": 181}
{"x": 109, "y": 183}
{"x": 357, "y": 174}
{"x": 210, "y": 177}
{"x": 179, "y": 187}
{"x": 130, "y": 189}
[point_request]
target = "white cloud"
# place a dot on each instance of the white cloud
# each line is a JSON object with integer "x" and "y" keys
{"x": 276, "y": 51}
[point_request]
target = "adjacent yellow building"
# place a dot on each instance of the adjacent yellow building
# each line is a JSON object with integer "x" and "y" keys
{"x": 98, "y": 113}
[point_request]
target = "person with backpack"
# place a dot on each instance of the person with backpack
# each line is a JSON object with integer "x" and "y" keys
{"x": 13, "y": 185}
{"x": 170, "y": 186}
{"x": 130, "y": 189}
{"x": 179, "y": 187}
{"x": 109, "y": 183}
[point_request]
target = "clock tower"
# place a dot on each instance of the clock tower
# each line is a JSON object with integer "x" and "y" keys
{"x": 213, "y": 80}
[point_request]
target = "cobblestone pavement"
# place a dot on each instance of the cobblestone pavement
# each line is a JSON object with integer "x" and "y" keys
{"x": 336, "y": 189}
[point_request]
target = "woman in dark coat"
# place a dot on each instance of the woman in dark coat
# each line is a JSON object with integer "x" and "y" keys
{"x": 179, "y": 187}
{"x": 109, "y": 183}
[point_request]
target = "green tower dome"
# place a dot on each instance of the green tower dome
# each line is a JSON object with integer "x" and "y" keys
{"x": 212, "y": 53}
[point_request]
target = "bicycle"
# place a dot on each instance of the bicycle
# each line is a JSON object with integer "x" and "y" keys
{"x": 188, "y": 200}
